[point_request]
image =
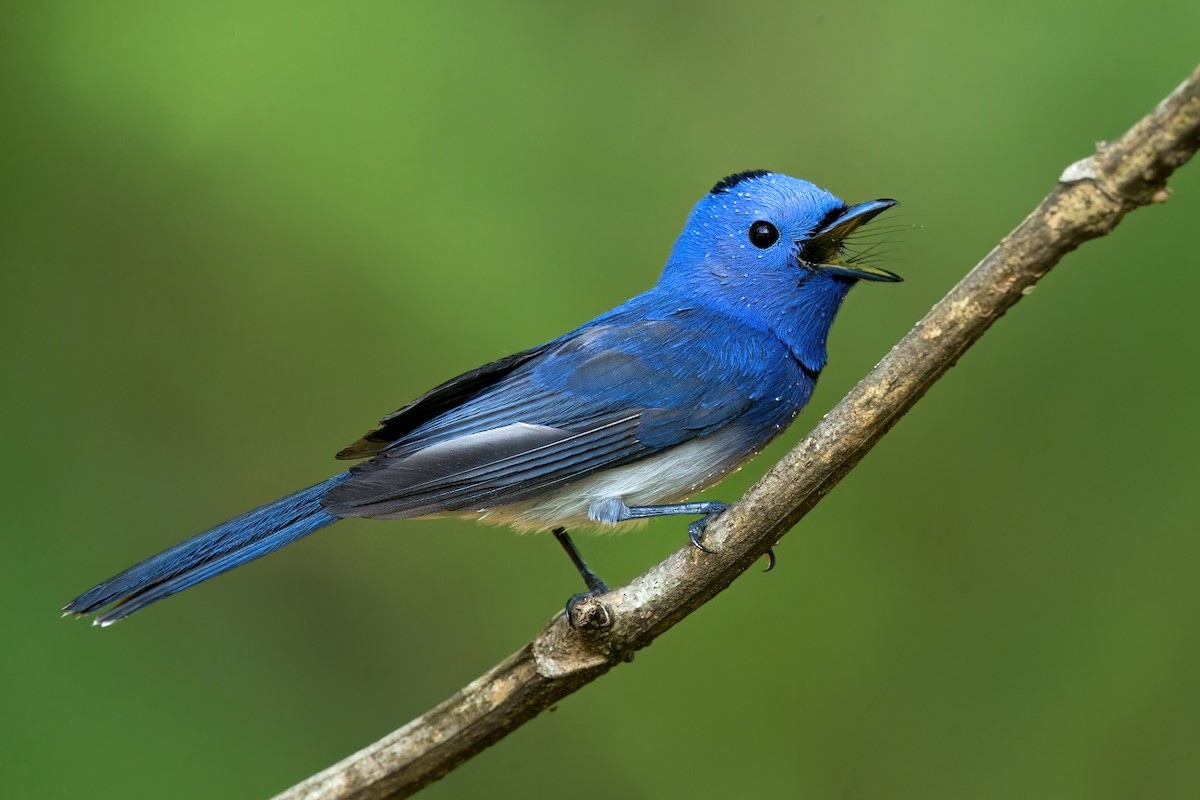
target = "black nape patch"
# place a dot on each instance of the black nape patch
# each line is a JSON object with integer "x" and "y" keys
{"x": 728, "y": 182}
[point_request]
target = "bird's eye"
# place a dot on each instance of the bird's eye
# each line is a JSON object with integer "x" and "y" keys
{"x": 763, "y": 234}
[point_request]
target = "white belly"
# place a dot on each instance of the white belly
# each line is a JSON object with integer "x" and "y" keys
{"x": 668, "y": 477}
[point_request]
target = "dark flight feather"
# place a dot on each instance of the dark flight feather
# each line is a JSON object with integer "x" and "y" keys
{"x": 437, "y": 401}
{"x": 585, "y": 404}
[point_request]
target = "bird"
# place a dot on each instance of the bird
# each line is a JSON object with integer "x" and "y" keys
{"x": 622, "y": 419}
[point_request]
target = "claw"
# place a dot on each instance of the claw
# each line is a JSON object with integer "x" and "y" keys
{"x": 694, "y": 534}
{"x": 595, "y": 617}
{"x": 696, "y": 530}
{"x": 770, "y": 559}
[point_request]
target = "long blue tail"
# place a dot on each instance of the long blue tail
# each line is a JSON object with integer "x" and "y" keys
{"x": 217, "y": 550}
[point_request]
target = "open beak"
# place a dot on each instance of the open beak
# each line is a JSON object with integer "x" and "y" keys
{"x": 836, "y": 231}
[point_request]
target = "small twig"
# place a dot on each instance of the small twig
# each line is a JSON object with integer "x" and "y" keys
{"x": 1090, "y": 199}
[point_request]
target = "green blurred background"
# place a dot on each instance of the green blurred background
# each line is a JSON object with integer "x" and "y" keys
{"x": 236, "y": 234}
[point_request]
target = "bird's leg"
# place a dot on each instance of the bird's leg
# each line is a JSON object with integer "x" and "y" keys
{"x": 710, "y": 509}
{"x": 613, "y": 510}
{"x": 594, "y": 584}
{"x": 593, "y": 617}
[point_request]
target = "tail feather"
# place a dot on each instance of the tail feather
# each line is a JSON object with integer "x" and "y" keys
{"x": 205, "y": 555}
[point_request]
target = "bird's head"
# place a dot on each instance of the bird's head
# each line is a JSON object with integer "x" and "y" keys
{"x": 769, "y": 224}
{"x": 770, "y": 249}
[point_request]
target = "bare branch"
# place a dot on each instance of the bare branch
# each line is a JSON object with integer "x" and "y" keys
{"x": 1090, "y": 199}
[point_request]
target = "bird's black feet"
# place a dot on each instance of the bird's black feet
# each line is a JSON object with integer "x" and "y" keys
{"x": 714, "y": 509}
{"x": 584, "y": 611}
{"x": 613, "y": 510}
{"x": 770, "y": 559}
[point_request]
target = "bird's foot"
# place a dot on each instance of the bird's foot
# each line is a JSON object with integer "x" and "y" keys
{"x": 696, "y": 529}
{"x": 770, "y": 559}
{"x": 584, "y": 611}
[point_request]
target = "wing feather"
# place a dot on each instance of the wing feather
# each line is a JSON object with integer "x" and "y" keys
{"x": 614, "y": 391}
{"x": 513, "y": 462}
{"x": 436, "y": 402}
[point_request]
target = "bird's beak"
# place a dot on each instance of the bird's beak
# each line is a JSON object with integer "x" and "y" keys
{"x": 836, "y": 231}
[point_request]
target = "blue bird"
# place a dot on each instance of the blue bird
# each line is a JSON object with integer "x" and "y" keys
{"x": 623, "y": 418}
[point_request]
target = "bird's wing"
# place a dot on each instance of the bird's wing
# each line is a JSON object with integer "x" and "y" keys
{"x": 437, "y": 401}
{"x": 604, "y": 396}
